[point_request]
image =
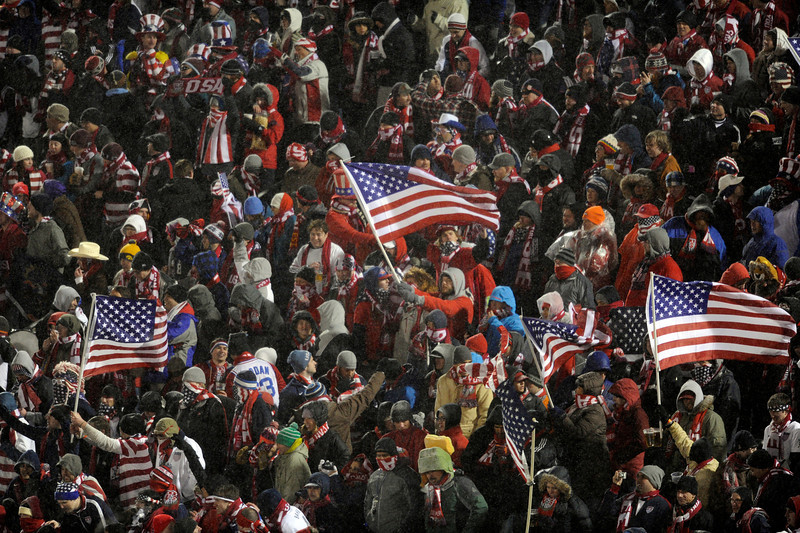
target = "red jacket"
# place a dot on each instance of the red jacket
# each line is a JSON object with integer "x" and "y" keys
{"x": 357, "y": 243}
{"x": 665, "y": 266}
{"x": 459, "y": 443}
{"x": 411, "y": 440}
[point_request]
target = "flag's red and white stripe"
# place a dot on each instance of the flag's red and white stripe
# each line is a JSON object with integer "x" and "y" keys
{"x": 429, "y": 201}
{"x": 491, "y": 373}
{"x": 735, "y": 325}
{"x": 134, "y": 469}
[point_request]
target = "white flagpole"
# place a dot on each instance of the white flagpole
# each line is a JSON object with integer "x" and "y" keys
{"x": 84, "y": 346}
{"x": 363, "y": 205}
{"x": 536, "y": 355}
{"x": 654, "y": 344}
{"x": 530, "y": 487}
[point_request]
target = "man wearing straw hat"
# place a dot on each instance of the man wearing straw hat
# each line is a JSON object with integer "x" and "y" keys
{"x": 89, "y": 276}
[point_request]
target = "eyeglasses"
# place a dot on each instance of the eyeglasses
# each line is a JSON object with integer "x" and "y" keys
{"x": 735, "y": 499}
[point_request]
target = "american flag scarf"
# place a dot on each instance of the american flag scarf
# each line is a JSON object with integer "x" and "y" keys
{"x": 394, "y": 137}
{"x": 216, "y": 148}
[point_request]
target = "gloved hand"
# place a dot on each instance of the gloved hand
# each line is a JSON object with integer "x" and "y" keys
{"x": 427, "y": 75}
{"x": 434, "y": 16}
{"x": 251, "y": 125}
{"x": 408, "y": 294}
{"x": 557, "y": 413}
{"x": 328, "y": 468}
{"x": 664, "y": 415}
{"x": 242, "y": 456}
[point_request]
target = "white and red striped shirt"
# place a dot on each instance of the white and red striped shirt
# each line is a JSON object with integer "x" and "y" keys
{"x": 35, "y": 179}
{"x": 52, "y": 28}
{"x": 119, "y": 177}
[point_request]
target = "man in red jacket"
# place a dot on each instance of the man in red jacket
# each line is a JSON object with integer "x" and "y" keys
{"x": 346, "y": 224}
{"x": 455, "y": 300}
{"x": 656, "y": 260}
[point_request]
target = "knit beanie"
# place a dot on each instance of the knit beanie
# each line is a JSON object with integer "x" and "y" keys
{"x": 503, "y": 88}
{"x": 598, "y": 184}
{"x": 477, "y": 343}
{"x": 288, "y": 435}
{"x": 654, "y": 474}
{"x": 386, "y": 445}
{"x": 194, "y": 375}
{"x": 609, "y": 144}
{"x": 761, "y": 459}
{"x": 43, "y": 203}
{"x": 464, "y": 154}
{"x": 347, "y": 360}
{"x": 595, "y": 215}
{"x": 566, "y": 255}
{"x": 687, "y": 484}
{"x": 299, "y": 360}
{"x": 401, "y": 411}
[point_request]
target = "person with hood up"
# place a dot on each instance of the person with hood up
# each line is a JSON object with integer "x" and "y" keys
{"x": 724, "y": 39}
{"x": 551, "y": 307}
{"x": 392, "y": 502}
{"x": 569, "y": 282}
{"x": 454, "y": 300}
{"x": 745, "y": 517}
{"x": 686, "y": 43}
{"x": 704, "y": 85}
{"x": 643, "y": 508}
{"x": 658, "y": 261}
{"x": 543, "y": 67}
{"x": 764, "y": 241}
{"x": 502, "y": 312}
{"x": 63, "y": 343}
{"x": 334, "y": 337}
{"x": 395, "y": 62}
{"x": 476, "y": 88}
{"x": 631, "y": 156}
{"x": 596, "y": 248}
{"x": 265, "y": 131}
{"x": 447, "y": 422}
{"x": 259, "y": 317}
{"x": 324, "y": 443}
{"x": 472, "y": 396}
{"x": 578, "y": 127}
{"x": 744, "y": 92}
{"x": 376, "y": 316}
{"x": 559, "y": 508}
{"x": 452, "y": 501}
{"x": 518, "y": 262}
{"x": 632, "y": 250}
{"x": 582, "y": 431}
{"x": 696, "y": 245}
{"x": 625, "y": 436}
{"x": 35, "y": 390}
{"x": 321, "y": 512}
{"x": 696, "y": 418}
{"x": 210, "y": 325}
{"x": 489, "y": 142}
{"x": 775, "y": 50}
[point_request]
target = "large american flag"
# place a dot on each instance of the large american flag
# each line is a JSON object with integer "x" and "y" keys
{"x": 518, "y": 425}
{"x": 126, "y": 334}
{"x": 794, "y": 48}
{"x": 558, "y": 343}
{"x": 401, "y": 200}
{"x": 701, "y": 320}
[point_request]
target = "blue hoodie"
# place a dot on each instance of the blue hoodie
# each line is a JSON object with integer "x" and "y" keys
{"x": 767, "y": 244}
{"x": 485, "y": 123}
{"x": 512, "y": 322}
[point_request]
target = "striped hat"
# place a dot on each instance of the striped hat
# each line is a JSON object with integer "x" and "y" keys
{"x": 761, "y": 115}
{"x": 456, "y": 21}
{"x": 246, "y": 380}
{"x": 10, "y": 206}
{"x": 342, "y": 187}
{"x": 626, "y": 91}
{"x": 789, "y": 170}
{"x": 781, "y": 73}
{"x": 728, "y": 164}
{"x": 609, "y": 144}
{"x": 67, "y": 491}
{"x": 288, "y": 435}
{"x": 297, "y": 152}
{"x": 199, "y": 51}
{"x": 151, "y": 23}
{"x": 221, "y": 36}
{"x": 161, "y": 478}
{"x": 674, "y": 178}
{"x": 308, "y": 44}
{"x": 214, "y": 232}
{"x": 656, "y": 61}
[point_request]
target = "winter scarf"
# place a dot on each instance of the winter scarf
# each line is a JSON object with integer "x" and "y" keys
{"x": 682, "y": 516}
{"x": 763, "y": 21}
{"x": 318, "y": 434}
{"x": 503, "y": 184}
{"x": 335, "y": 135}
{"x": 240, "y": 435}
{"x": 497, "y": 448}
{"x": 628, "y": 506}
{"x": 690, "y": 245}
{"x": 530, "y": 249}
{"x": 668, "y": 207}
{"x": 541, "y": 192}
{"x": 433, "y": 502}
{"x": 513, "y": 42}
{"x": 405, "y": 113}
{"x": 394, "y": 137}
{"x": 575, "y": 134}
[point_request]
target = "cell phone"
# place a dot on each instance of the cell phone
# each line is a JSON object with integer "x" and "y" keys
{"x": 623, "y": 475}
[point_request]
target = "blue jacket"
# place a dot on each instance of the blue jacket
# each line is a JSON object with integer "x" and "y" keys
{"x": 512, "y": 322}
{"x": 767, "y": 244}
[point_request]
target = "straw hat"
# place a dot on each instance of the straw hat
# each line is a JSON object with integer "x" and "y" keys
{"x": 89, "y": 250}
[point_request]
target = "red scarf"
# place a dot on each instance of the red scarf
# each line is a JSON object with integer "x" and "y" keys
{"x": 695, "y": 430}
{"x": 497, "y": 447}
{"x": 680, "y": 522}
{"x": 790, "y": 141}
{"x": 763, "y": 21}
{"x": 503, "y": 184}
{"x": 513, "y": 42}
{"x": 668, "y": 207}
{"x": 530, "y": 249}
{"x": 689, "y": 248}
{"x": 564, "y": 271}
{"x": 323, "y": 32}
{"x": 394, "y": 137}
{"x": 433, "y": 502}
{"x": 542, "y": 191}
{"x": 240, "y": 436}
{"x": 335, "y": 135}
{"x": 310, "y": 509}
{"x": 405, "y": 113}
{"x": 149, "y": 289}
{"x": 698, "y": 467}
{"x": 618, "y": 39}
{"x": 575, "y": 135}
{"x": 318, "y": 434}
{"x": 278, "y": 227}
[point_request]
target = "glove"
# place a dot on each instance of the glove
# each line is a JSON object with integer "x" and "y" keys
{"x": 408, "y": 294}
{"x": 242, "y": 456}
{"x": 434, "y": 16}
{"x": 427, "y": 75}
{"x": 251, "y": 125}
{"x": 328, "y": 468}
{"x": 664, "y": 415}
{"x": 557, "y": 413}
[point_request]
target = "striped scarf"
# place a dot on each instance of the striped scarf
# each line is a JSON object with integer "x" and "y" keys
{"x": 53, "y": 83}
{"x": 530, "y": 250}
{"x": 503, "y": 184}
{"x": 318, "y": 434}
{"x": 763, "y": 21}
{"x": 240, "y": 436}
{"x": 215, "y": 148}
{"x": 394, "y": 136}
{"x": 153, "y": 68}
{"x": 680, "y": 522}
{"x": 513, "y": 42}
{"x": 575, "y": 135}
{"x": 405, "y": 113}
{"x": 626, "y": 511}
{"x": 148, "y": 169}
{"x": 251, "y": 182}
{"x": 468, "y": 91}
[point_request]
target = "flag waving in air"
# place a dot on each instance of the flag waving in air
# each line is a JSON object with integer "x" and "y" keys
{"x": 401, "y": 200}
{"x": 125, "y": 334}
{"x": 701, "y": 320}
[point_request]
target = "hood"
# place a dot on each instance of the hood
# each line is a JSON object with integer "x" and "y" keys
{"x": 459, "y": 283}
{"x": 598, "y": 360}
{"x": 305, "y": 315}
{"x": 782, "y": 44}
{"x": 384, "y": 13}
{"x": 72, "y": 463}
{"x": 701, "y": 203}
{"x": 545, "y": 48}
{"x": 626, "y": 388}
{"x": 295, "y": 19}
{"x": 483, "y": 122}
{"x": 135, "y": 221}
{"x": 452, "y": 415}
{"x": 276, "y": 96}
{"x": 434, "y": 459}
{"x": 735, "y": 273}
{"x": 764, "y": 216}
{"x": 504, "y": 294}
{"x": 530, "y": 208}
{"x": 629, "y": 135}
{"x": 258, "y": 269}
{"x": 327, "y": 15}
{"x": 598, "y": 30}
{"x": 658, "y": 238}
{"x": 703, "y": 58}
{"x": 24, "y": 360}
{"x": 690, "y": 385}
{"x": 318, "y": 411}
{"x": 28, "y": 458}
{"x": 263, "y": 15}
{"x": 473, "y": 55}
{"x": 562, "y": 485}
{"x": 331, "y": 316}
{"x": 246, "y": 296}
{"x": 610, "y": 293}
{"x": 739, "y": 58}
{"x": 730, "y": 29}
{"x": 63, "y": 298}
{"x": 322, "y": 481}
{"x": 446, "y": 352}
{"x": 555, "y": 301}
{"x": 203, "y": 303}
{"x": 629, "y": 183}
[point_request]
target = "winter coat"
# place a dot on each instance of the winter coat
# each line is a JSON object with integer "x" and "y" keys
{"x": 570, "y": 513}
{"x": 393, "y": 500}
{"x": 745, "y": 92}
{"x": 457, "y": 307}
{"x": 448, "y": 391}
{"x": 69, "y": 220}
{"x": 582, "y": 433}
{"x": 435, "y": 26}
{"x": 479, "y": 93}
{"x": 628, "y": 445}
{"x": 463, "y": 506}
{"x": 638, "y": 114}
{"x": 766, "y": 244}
{"x": 207, "y": 424}
{"x": 654, "y": 515}
{"x": 511, "y": 322}
{"x": 663, "y": 265}
{"x": 712, "y": 427}
{"x": 702, "y": 264}
{"x": 398, "y": 48}
{"x": 311, "y": 98}
{"x": 576, "y": 289}
{"x": 273, "y": 329}
{"x": 329, "y": 447}
{"x": 291, "y": 472}
{"x": 709, "y": 481}
{"x": 46, "y": 243}
{"x": 596, "y": 255}
{"x": 343, "y": 414}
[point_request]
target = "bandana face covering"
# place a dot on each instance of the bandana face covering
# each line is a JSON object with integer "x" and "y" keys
{"x": 448, "y": 247}
{"x": 436, "y": 335}
{"x": 387, "y": 464}
{"x": 382, "y": 296}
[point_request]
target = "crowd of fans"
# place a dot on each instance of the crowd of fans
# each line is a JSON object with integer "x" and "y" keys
{"x": 192, "y": 152}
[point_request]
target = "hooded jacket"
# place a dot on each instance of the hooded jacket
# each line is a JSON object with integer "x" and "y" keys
{"x": 661, "y": 264}
{"x": 330, "y": 446}
{"x": 702, "y": 90}
{"x": 273, "y": 330}
{"x": 631, "y": 136}
{"x": 702, "y": 265}
{"x": 746, "y": 94}
{"x": 291, "y": 472}
{"x": 393, "y": 499}
{"x": 701, "y": 416}
{"x": 457, "y": 307}
{"x": 570, "y": 513}
{"x": 766, "y": 244}
{"x": 484, "y": 155}
{"x": 463, "y": 506}
{"x": 396, "y": 47}
{"x": 628, "y": 443}
{"x": 511, "y": 322}
{"x": 476, "y": 88}
{"x": 333, "y": 330}
{"x": 598, "y": 35}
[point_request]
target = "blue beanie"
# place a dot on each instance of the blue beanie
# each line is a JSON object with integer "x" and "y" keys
{"x": 299, "y": 360}
{"x": 253, "y": 206}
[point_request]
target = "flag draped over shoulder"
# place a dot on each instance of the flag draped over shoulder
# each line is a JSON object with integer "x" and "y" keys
{"x": 126, "y": 334}
{"x": 700, "y": 321}
{"x": 401, "y": 200}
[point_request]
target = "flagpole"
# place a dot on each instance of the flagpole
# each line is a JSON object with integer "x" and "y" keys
{"x": 655, "y": 340}
{"x": 370, "y": 222}
{"x": 530, "y": 487}
{"x": 84, "y": 347}
{"x": 538, "y": 363}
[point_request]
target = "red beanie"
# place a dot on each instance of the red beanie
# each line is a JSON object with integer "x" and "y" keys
{"x": 521, "y": 20}
{"x": 477, "y": 343}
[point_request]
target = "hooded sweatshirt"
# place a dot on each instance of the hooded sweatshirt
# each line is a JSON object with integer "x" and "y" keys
{"x": 702, "y": 90}
{"x": 457, "y": 307}
{"x": 766, "y": 244}
{"x": 658, "y": 261}
{"x": 476, "y": 88}
{"x": 507, "y": 317}
{"x": 740, "y": 85}
{"x": 700, "y": 421}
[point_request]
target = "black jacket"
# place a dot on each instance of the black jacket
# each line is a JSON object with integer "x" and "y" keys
{"x": 207, "y": 423}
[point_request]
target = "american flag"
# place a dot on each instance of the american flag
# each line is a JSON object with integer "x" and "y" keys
{"x": 490, "y": 373}
{"x": 558, "y": 343}
{"x": 517, "y": 425}
{"x": 700, "y": 321}
{"x": 629, "y": 327}
{"x": 794, "y": 48}
{"x": 126, "y": 334}
{"x": 401, "y": 200}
